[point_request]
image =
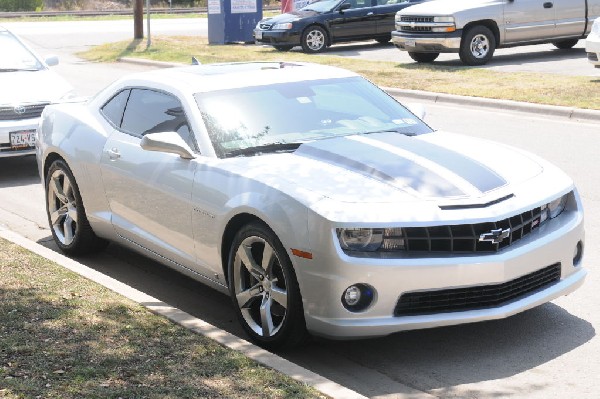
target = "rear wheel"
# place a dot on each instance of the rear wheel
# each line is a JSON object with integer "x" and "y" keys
{"x": 477, "y": 46}
{"x": 314, "y": 39}
{"x": 565, "y": 44}
{"x": 282, "y": 47}
{"x": 264, "y": 289}
{"x": 423, "y": 57}
{"x": 68, "y": 222}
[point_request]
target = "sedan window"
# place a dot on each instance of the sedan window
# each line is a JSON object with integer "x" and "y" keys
{"x": 150, "y": 111}
{"x": 114, "y": 108}
{"x": 264, "y": 117}
{"x": 15, "y": 56}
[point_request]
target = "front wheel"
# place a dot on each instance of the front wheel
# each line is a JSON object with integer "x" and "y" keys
{"x": 314, "y": 39}
{"x": 384, "y": 39}
{"x": 565, "y": 44}
{"x": 477, "y": 46}
{"x": 264, "y": 289}
{"x": 423, "y": 57}
{"x": 68, "y": 222}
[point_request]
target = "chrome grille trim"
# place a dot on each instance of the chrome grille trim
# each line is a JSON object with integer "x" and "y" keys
{"x": 8, "y": 113}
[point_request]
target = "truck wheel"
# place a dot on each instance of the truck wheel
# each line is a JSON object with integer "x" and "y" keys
{"x": 477, "y": 46}
{"x": 384, "y": 39}
{"x": 282, "y": 47}
{"x": 423, "y": 57}
{"x": 565, "y": 44}
{"x": 314, "y": 39}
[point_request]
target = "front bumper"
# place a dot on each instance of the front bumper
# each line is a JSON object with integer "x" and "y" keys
{"x": 277, "y": 37}
{"x": 6, "y": 127}
{"x": 592, "y": 48}
{"x": 427, "y": 43}
{"x": 324, "y": 279}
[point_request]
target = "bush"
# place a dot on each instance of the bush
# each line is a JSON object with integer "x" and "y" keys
{"x": 21, "y": 5}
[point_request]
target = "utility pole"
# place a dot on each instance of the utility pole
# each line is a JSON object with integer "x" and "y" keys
{"x": 138, "y": 19}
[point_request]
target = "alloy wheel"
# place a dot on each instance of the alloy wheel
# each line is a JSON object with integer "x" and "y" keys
{"x": 480, "y": 46}
{"x": 62, "y": 207}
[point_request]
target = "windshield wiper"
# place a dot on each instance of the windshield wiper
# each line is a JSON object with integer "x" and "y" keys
{"x": 262, "y": 149}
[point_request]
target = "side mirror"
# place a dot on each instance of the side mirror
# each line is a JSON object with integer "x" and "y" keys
{"x": 169, "y": 142}
{"x": 344, "y": 7}
{"x": 418, "y": 109}
{"x": 51, "y": 60}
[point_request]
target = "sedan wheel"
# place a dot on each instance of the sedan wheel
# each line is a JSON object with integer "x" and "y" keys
{"x": 314, "y": 39}
{"x": 264, "y": 289}
{"x": 66, "y": 216}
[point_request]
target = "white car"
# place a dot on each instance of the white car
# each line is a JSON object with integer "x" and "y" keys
{"x": 315, "y": 199}
{"x": 27, "y": 85}
{"x": 592, "y": 44}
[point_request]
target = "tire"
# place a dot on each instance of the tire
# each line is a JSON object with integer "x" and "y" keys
{"x": 314, "y": 39}
{"x": 283, "y": 47}
{"x": 565, "y": 44}
{"x": 477, "y": 46}
{"x": 384, "y": 39}
{"x": 66, "y": 215}
{"x": 267, "y": 299}
{"x": 423, "y": 57}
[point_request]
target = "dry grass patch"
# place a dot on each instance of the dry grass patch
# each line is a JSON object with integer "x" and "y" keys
{"x": 573, "y": 91}
{"x": 62, "y": 336}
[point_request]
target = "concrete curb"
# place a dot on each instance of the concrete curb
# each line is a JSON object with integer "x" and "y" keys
{"x": 268, "y": 359}
{"x": 451, "y": 99}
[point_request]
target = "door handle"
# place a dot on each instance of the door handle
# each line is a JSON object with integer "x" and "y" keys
{"x": 113, "y": 154}
{"x": 548, "y": 4}
{"x": 369, "y": 14}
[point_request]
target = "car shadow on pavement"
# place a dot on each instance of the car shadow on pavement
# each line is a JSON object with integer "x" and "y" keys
{"x": 18, "y": 171}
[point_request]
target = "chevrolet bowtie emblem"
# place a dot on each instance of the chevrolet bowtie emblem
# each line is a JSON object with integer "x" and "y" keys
{"x": 495, "y": 236}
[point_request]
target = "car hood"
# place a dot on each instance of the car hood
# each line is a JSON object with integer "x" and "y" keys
{"x": 393, "y": 168}
{"x": 447, "y": 7}
{"x": 32, "y": 86}
{"x": 291, "y": 16}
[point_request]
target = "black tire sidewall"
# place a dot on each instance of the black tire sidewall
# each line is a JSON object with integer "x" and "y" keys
{"x": 423, "y": 57}
{"x": 309, "y": 29}
{"x": 465, "y": 46}
{"x": 293, "y": 329}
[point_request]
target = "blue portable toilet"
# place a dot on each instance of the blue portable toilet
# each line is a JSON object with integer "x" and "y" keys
{"x": 232, "y": 21}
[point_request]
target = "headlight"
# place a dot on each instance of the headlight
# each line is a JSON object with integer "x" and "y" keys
{"x": 554, "y": 208}
{"x": 443, "y": 19}
{"x": 285, "y": 26}
{"x": 360, "y": 239}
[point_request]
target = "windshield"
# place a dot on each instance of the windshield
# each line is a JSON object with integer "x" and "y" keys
{"x": 298, "y": 112}
{"x": 321, "y": 6}
{"x": 14, "y": 56}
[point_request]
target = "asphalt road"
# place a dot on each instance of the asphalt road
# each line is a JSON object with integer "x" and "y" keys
{"x": 548, "y": 352}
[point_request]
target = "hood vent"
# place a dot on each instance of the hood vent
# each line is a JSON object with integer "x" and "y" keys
{"x": 475, "y": 206}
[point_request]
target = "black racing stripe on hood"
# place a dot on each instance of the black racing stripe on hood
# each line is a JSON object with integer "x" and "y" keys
{"x": 379, "y": 164}
{"x": 477, "y": 174}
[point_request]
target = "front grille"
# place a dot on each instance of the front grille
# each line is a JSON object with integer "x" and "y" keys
{"x": 592, "y": 56}
{"x": 415, "y": 28}
{"x": 464, "y": 238}
{"x": 21, "y": 112}
{"x": 410, "y": 18}
{"x": 473, "y": 298}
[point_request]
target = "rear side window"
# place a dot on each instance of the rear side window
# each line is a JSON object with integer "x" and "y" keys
{"x": 150, "y": 111}
{"x": 114, "y": 108}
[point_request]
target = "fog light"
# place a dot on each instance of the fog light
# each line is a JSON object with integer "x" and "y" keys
{"x": 578, "y": 253}
{"x": 358, "y": 297}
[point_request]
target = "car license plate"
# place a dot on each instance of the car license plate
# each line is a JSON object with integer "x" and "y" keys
{"x": 410, "y": 43}
{"x": 258, "y": 34}
{"x": 22, "y": 139}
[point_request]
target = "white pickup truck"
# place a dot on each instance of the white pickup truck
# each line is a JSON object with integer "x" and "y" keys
{"x": 475, "y": 28}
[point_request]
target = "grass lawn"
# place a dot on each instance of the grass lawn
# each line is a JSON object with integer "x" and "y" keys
{"x": 573, "y": 91}
{"x": 63, "y": 336}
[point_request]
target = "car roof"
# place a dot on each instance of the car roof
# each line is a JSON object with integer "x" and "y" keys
{"x": 211, "y": 77}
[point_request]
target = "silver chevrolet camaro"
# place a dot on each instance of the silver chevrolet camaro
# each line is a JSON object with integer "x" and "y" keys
{"x": 316, "y": 200}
